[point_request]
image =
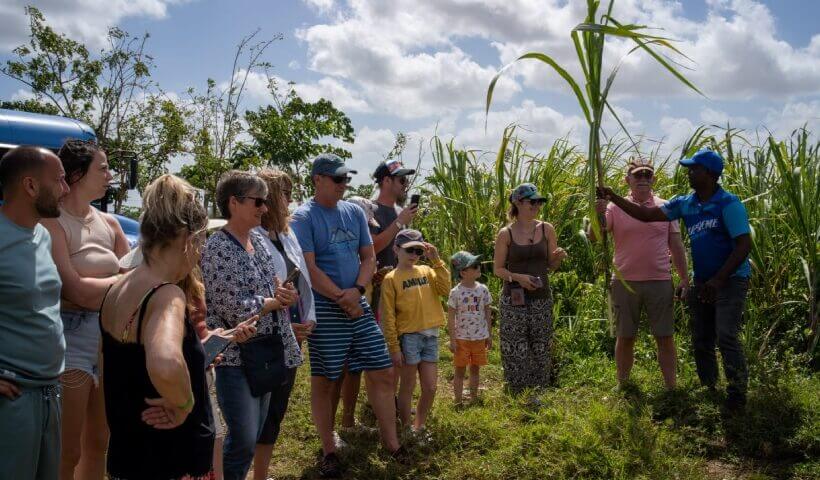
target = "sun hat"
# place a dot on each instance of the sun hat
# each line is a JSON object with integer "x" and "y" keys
{"x": 463, "y": 259}
{"x": 330, "y": 164}
{"x": 526, "y": 191}
{"x": 409, "y": 238}
{"x": 710, "y": 159}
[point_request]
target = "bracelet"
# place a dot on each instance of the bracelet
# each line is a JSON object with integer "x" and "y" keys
{"x": 189, "y": 405}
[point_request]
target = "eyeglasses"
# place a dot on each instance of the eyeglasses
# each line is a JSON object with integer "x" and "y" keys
{"x": 414, "y": 251}
{"x": 339, "y": 179}
{"x": 257, "y": 201}
{"x": 643, "y": 174}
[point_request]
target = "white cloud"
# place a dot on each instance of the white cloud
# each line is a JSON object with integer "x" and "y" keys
{"x": 342, "y": 97}
{"x": 294, "y": 65}
{"x": 83, "y": 20}
{"x": 400, "y": 56}
{"x": 793, "y": 115}
{"x": 22, "y": 94}
{"x": 716, "y": 117}
{"x": 676, "y": 130}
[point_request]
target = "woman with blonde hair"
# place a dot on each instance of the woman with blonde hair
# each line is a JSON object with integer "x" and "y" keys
{"x": 154, "y": 362}
{"x": 284, "y": 248}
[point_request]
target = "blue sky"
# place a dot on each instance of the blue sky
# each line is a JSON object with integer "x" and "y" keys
{"x": 422, "y": 66}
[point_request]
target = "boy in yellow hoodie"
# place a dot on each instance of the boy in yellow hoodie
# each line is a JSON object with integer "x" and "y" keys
{"x": 411, "y": 317}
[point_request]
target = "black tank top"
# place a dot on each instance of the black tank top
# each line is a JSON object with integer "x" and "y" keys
{"x": 137, "y": 451}
{"x": 531, "y": 259}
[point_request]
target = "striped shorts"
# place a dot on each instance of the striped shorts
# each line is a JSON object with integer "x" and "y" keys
{"x": 339, "y": 340}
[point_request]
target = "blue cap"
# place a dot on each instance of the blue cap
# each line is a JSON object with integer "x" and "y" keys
{"x": 711, "y": 160}
{"x": 330, "y": 164}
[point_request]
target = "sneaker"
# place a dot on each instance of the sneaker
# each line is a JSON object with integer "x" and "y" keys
{"x": 339, "y": 442}
{"x": 330, "y": 466}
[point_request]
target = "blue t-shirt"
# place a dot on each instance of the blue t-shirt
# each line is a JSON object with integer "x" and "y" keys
{"x": 334, "y": 236}
{"x": 712, "y": 227}
{"x": 32, "y": 346}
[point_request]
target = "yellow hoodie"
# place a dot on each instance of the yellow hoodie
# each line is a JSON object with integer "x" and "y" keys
{"x": 410, "y": 301}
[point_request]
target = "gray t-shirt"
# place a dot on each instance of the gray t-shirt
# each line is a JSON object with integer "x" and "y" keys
{"x": 385, "y": 216}
{"x": 32, "y": 346}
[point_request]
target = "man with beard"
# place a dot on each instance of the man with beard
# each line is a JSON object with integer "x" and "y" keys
{"x": 719, "y": 233}
{"x": 32, "y": 346}
{"x": 642, "y": 258}
{"x": 392, "y": 180}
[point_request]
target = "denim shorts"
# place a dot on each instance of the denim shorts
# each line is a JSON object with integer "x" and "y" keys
{"x": 82, "y": 340}
{"x": 417, "y": 347}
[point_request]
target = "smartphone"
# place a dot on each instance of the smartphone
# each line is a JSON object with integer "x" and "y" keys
{"x": 292, "y": 276}
{"x": 214, "y": 346}
{"x": 414, "y": 200}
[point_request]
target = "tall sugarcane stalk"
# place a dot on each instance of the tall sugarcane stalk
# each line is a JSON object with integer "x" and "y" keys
{"x": 589, "y": 40}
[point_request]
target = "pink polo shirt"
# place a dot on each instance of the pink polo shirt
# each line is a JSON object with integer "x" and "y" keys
{"x": 641, "y": 248}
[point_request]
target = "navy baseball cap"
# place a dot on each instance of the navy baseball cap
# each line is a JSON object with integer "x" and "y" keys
{"x": 409, "y": 238}
{"x": 710, "y": 160}
{"x": 330, "y": 164}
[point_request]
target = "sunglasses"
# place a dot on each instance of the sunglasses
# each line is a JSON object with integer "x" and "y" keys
{"x": 401, "y": 180}
{"x": 257, "y": 201}
{"x": 643, "y": 174}
{"x": 536, "y": 203}
{"x": 340, "y": 179}
{"x": 414, "y": 251}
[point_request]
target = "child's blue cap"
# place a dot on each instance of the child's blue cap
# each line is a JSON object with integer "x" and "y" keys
{"x": 461, "y": 260}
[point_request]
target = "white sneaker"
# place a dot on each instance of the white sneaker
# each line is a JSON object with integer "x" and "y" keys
{"x": 339, "y": 441}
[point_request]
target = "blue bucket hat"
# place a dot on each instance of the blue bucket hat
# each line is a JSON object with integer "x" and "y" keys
{"x": 710, "y": 160}
{"x": 330, "y": 164}
{"x": 526, "y": 191}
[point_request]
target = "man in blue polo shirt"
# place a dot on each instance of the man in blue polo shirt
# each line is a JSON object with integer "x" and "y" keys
{"x": 719, "y": 235}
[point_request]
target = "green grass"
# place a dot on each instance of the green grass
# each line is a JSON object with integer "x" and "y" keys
{"x": 584, "y": 428}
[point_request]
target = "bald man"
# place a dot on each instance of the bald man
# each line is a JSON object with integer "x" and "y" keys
{"x": 32, "y": 346}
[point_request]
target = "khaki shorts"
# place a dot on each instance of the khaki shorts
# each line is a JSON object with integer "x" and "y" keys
{"x": 654, "y": 296}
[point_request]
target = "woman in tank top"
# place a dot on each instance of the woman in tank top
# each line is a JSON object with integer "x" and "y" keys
{"x": 155, "y": 386}
{"x": 86, "y": 246}
{"x": 526, "y": 251}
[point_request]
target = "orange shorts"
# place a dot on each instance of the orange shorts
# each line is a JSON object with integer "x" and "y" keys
{"x": 470, "y": 352}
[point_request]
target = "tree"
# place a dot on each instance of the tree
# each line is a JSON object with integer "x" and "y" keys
{"x": 111, "y": 92}
{"x": 214, "y": 122}
{"x": 292, "y": 131}
{"x": 30, "y": 105}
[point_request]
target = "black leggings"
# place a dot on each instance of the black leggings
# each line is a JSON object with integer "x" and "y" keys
{"x": 276, "y": 411}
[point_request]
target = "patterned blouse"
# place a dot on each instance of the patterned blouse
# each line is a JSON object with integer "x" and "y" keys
{"x": 236, "y": 285}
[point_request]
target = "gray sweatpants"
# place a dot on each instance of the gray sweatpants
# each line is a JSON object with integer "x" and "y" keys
{"x": 30, "y": 434}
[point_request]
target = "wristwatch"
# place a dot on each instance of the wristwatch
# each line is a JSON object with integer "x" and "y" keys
{"x": 360, "y": 288}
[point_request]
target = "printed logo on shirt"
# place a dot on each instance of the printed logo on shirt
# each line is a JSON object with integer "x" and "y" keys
{"x": 703, "y": 225}
{"x": 341, "y": 235}
{"x": 414, "y": 282}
